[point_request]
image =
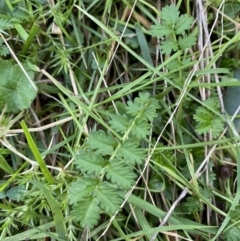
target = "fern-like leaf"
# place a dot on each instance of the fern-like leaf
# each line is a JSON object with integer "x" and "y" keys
{"x": 81, "y": 189}
{"x": 109, "y": 199}
{"x": 5, "y": 25}
{"x": 132, "y": 153}
{"x": 141, "y": 129}
{"x": 90, "y": 162}
{"x": 103, "y": 143}
{"x": 87, "y": 212}
{"x": 120, "y": 173}
{"x": 120, "y": 123}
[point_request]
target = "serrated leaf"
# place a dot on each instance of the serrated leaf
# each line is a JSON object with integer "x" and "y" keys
{"x": 132, "y": 153}
{"x": 141, "y": 129}
{"x": 89, "y": 162}
{"x": 207, "y": 120}
{"x": 81, "y": 189}
{"x": 16, "y": 92}
{"x": 187, "y": 41}
{"x": 170, "y": 14}
{"x": 5, "y": 25}
{"x": 232, "y": 234}
{"x": 143, "y": 106}
{"x": 206, "y": 192}
{"x": 168, "y": 45}
{"x": 120, "y": 173}
{"x": 184, "y": 23}
{"x": 108, "y": 197}
{"x": 103, "y": 143}
{"x": 120, "y": 123}
{"x": 235, "y": 214}
{"x": 87, "y": 212}
{"x": 161, "y": 30}
{"x": 192, "y": 205}
{"x": 3, "y": 50}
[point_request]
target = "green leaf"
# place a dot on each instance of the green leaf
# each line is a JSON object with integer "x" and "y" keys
{"x": 16, "y": 193}
{"x": 184, "y": 23}
{"x": 192, "y": 205}
{"x": 89, "y": 162}
{"x": 108, "y": 197}
{"x": 187, "y": 41}
{"x": 207, "y": 120}
{"x": 101, "y": 142}
{"x": 235, "y": 214}
{"x": 170, "y": 14}
{"x": 232, "y": 234}
{"x": 87, "y": 212}
{"x": 168, "y": 45}
{"x": 144, "y": 106}
{"x": 81, "y": 189}
{"x": 141, "y": 129}
{"x": 156, "y": 183}
{"x": 161, "y": 30}
{"x": 120, "y": 123}
{"x": 16, "y": 92}
{"x": 120, "y": 173}
{"x": 131, "y": 152}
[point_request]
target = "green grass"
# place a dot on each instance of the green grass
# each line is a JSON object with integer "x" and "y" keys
{"x": 126, "y": 136}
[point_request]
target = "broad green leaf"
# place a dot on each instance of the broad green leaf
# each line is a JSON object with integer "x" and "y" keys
{"x": 16, "y": 92}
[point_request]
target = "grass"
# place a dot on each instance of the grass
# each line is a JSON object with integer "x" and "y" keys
{"x": 93, "y": 63}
